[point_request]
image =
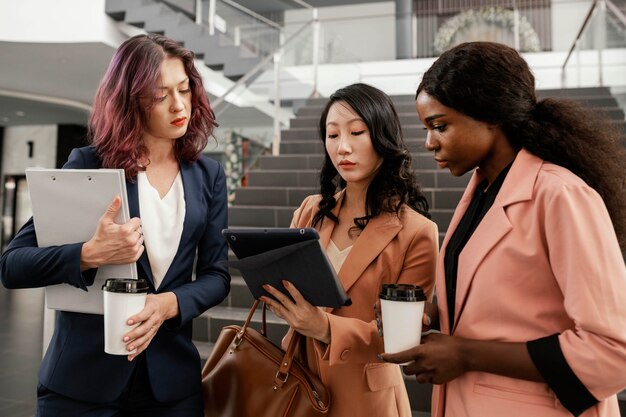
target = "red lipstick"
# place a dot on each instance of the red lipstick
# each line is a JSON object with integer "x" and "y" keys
{"x": 178, "y": 122}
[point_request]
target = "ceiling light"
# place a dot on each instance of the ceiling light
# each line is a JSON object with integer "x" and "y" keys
{"x": 20, "y": 113}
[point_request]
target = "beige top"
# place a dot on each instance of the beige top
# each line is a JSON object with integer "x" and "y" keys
{"x": 162, "y": 223}
{"x": 335, "y": 256}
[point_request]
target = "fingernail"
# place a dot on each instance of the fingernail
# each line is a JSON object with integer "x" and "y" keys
{"x": 130, "y": 322}
{"x": 130, "y": 349}
{"x": 285, "y": 283}
{"x": 126, "y": 339}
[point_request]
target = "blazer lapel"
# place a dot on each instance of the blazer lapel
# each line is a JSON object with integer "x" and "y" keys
{"x": 489, "y": 232}
{"x": 376, "y": 236}
{"x": 132, "y": 190}
{"x": 518, "y": 186}
{"x": 442, "y": 302}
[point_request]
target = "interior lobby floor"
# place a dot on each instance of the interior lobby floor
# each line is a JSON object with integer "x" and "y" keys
{"x": 21, "y": 335}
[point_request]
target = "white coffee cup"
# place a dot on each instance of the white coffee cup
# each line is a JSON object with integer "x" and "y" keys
{"x": 402, "y": 307}
{"x": 123, "y": 298}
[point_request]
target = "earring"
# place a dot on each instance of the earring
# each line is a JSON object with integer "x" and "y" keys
{"x": 140, "y": 165}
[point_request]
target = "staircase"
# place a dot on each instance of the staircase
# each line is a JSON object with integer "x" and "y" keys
{"x": 278, "y": 184}
{"x": 217, "y": 51}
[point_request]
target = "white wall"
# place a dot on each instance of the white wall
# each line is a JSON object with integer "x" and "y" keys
{"x": 355, "y": 33}
{"x": 567, "y": 18}
{"x": 15, "y": 152}
{"x": 57, "y": 21}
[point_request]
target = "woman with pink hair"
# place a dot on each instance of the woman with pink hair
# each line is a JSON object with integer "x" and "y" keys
{"x": 152, "y": 118}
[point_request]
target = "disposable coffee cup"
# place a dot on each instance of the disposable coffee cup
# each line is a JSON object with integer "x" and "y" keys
{"x": 402, "y": 307}
{"x": 123, "y": 298}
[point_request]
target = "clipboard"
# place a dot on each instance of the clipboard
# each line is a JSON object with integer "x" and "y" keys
{"x": 67, "y": 204}
{"x": 268, "y": 256}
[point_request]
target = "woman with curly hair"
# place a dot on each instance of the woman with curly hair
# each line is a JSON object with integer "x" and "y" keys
{"x": 531, "y": 278}
{"x": 151, "y": 118}
{"x": 373, "y": 222}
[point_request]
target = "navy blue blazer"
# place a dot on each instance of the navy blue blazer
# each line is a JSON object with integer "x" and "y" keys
{"x": 75, "y": 364}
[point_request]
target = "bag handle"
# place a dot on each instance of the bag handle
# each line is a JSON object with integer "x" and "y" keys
{"x": 285, "y": 365}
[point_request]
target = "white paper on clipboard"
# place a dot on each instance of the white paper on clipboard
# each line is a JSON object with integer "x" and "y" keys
{"x": 67, "y": 204}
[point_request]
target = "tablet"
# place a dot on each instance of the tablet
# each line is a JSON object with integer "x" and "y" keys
{"x": 269, "y": 256}
{"x": 250, "y": 241}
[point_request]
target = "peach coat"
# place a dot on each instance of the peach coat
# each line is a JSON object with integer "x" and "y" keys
{"x": 544, "y": 260}
{"x": 391, "y": 249}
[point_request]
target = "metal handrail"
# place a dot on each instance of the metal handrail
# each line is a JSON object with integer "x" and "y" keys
{"x": 257, "y": 68}
{"x": 577, "y": 39}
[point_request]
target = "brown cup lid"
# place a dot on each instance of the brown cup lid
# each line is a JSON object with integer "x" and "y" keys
{"x": 402, "y": 292}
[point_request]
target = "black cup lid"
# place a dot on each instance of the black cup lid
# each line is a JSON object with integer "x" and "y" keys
{"x": 402, "y": 292}
{"x": 125, "y": 285}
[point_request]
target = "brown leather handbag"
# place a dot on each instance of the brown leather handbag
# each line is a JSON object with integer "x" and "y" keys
{"x": 247, "y": 375}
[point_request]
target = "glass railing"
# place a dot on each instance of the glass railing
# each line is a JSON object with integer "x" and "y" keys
{"x": 343, "y": 37}
{"x": 243, "y": 26}
{"x": 596, "y": 50}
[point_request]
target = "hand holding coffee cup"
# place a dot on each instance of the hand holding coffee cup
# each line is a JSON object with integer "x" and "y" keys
{"x": 123, "y": 298}
{"x": 402, "y": 307}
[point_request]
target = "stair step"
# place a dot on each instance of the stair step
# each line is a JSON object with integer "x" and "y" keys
{"x": 260, "y": 216}
{"x": 273, "y": 196}
{"x": 413, "y": 131}
{"x": 310, "y": 177}
{"x": 272, "y": 216}
{"x": 218, "y": 317}
{"x": 290, "y": 161}
{"x": 291, "y": 147}
{"x": 438, "y": 198}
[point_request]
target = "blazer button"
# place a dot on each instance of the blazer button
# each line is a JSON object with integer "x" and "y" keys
{"x": 344, "y": 355}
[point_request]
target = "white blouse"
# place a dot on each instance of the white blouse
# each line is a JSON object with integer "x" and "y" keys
{"x": 161, "y": 222}
{"x": 335, "y": 256}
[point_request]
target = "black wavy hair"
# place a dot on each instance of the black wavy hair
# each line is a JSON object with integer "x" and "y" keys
{"x": 395, "y": 183}
{"x": 492, "y": 83}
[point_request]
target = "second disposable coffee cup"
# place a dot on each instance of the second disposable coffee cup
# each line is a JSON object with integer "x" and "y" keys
{"x": 402, "y": 307}
{"x": 123, "y": 298}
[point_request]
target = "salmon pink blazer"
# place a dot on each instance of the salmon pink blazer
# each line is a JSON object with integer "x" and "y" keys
{"x": 543, "y": 263}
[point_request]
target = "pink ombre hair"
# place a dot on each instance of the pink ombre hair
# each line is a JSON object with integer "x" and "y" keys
{"x": 126, "y": 94}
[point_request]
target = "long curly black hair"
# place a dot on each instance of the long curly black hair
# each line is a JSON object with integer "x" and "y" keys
{"x": 395, "y": 183}
{"x": 492, "y": 83}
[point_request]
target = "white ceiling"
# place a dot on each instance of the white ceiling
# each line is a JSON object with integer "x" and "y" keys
{"x": 47, "y": 82}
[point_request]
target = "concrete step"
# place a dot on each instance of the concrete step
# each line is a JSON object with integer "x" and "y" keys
{"x": 407, "y": 116}
{"x": 438, "y": 198}
{"x": 396, "y": 99}
{"x": 415, "y": 130}
{"x": 273, "y": 196}
{"x": 310, "y": 177}
{"x": 284, "y": 178}
{"x": 296, "y": 162}
{"x": 239, "y": 295}
{"x": 260, "y": 216}
{"x": 291, "y": 147}
{"x": 219, "y": 316}
{"x": 273, "y": 216}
